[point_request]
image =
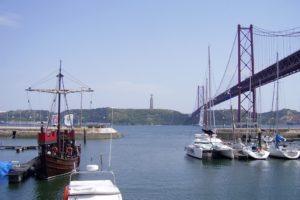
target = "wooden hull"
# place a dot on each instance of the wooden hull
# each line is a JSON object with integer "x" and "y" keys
{"x": 52, "y": 166}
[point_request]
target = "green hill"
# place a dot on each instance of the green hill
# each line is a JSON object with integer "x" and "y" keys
{"x": 104, "y": 115}
{"x": 143, "y": 116}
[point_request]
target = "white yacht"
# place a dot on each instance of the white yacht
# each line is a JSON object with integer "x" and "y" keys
{"x": 220, "y": 148}
{"x": 252, "y": 151}
{"x": 201, "y": 146}
{"x": 281, "y": 150}
{"x": 277, "y": 148}
{"x": 204, "y": 146}
{"x": 93, "y": 188}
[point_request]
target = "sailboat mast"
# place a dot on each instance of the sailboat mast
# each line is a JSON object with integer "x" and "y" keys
{"x": 277, "y": 94}
{"x": 209, "y": 89}
{"x": 206, "y": 100}
{"x": 204, "y": 109}
{"x": 59, "y": 96}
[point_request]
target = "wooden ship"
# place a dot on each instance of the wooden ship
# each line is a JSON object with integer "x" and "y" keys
{"x": 57, "y": 150}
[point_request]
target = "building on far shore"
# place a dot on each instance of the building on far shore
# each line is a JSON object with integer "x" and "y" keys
{"x": 151, "y": 101}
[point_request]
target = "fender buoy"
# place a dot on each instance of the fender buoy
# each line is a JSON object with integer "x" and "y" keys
{"x": 54, "y": 149}
{"x": 69, "y": 150}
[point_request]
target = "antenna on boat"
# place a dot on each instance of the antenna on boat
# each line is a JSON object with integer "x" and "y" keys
{"x": 112, "y": 118}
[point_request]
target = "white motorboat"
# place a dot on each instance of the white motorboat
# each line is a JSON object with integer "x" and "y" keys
{"x": 94, "y": 187}
{"x": 201, "y": 146}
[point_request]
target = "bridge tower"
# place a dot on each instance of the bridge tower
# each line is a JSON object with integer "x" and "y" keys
{"x": 246, "y": 100}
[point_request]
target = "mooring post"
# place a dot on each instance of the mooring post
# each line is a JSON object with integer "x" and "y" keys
{"x": 101, "y": 158}
{"x": 14, "y": 134}
{"x": 84, "y": 136}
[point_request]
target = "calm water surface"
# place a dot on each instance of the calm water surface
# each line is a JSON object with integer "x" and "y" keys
{"x": 150, "y": 163}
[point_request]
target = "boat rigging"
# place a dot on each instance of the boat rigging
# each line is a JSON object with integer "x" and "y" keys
{"x": 58, "y": 153}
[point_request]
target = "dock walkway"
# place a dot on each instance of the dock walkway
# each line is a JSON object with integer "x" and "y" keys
{"x": 227, "y": 134}
{"x": 20, "y": 172}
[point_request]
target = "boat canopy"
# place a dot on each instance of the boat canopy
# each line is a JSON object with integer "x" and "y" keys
{"x": 5, "y": 167}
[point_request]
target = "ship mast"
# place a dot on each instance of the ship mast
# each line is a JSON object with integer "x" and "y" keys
{"x": 59, "y": 96}
{"x": 60, "y": 76}
{"x": 59, "y": 91}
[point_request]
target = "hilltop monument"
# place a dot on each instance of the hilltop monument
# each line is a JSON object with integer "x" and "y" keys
{"x": 151, "y": 102}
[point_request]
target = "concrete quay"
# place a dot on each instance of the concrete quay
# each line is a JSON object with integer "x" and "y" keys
{"x": 227, "y": 133}
{"x": 31, "y": 132}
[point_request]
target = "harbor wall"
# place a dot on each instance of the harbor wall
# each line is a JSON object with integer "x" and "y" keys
{"x": 227, "y": 133}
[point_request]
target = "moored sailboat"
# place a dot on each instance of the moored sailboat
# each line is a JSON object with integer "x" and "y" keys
{"x": 277, "y": 148}
{"x": 206, "y": 144}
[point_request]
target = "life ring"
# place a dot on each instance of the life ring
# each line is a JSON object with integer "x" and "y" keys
{"x": 69, "y": 150}
{"x": 54, "y": 149}
{"x": 66, "y": 193}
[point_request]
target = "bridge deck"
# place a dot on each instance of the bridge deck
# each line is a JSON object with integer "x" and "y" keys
{"x": 287, "y": 66}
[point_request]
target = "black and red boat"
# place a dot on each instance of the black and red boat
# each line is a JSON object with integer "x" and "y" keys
{"x": 58, "y": 152}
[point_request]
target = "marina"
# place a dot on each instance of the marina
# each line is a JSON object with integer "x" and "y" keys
{"x": 149, "y": 100}
{"x": 169, "y": 174}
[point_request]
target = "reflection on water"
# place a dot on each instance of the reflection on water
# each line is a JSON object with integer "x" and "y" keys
{"x": 50, "y": 189}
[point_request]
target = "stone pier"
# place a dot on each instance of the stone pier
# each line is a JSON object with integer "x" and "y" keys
{"x": 31, "y": 132}
{"x": 227, "y": 133}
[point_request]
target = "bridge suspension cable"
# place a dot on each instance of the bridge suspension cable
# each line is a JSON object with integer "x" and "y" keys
{"x": 293, "y": 32}
{"x": 227, "y": 67}
{"x": 266, "y": 44}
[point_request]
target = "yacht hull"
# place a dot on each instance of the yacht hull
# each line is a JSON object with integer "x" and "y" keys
{"x": 198, "y": 152}
{"x": 284, "y": 153}
{"x": 256, "y": 155}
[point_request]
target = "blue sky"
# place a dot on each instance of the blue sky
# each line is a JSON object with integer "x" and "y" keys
{"x": 127, "y": 50}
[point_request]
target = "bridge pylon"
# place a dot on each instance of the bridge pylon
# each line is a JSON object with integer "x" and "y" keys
{"x": 246, "y": 100}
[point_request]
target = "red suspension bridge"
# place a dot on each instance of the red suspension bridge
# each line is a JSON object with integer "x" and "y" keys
{"x": 245, "y": 89}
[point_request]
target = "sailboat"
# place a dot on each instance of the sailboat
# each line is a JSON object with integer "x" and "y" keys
{"x": 219, "y": 148}
{"x": 57, "y": 152}
{"x": 253, "y": 149}
{"x": 255, "y": 152}
{"x": 201, "y": 147}
{"x": 206, "y": 143}
{"x": 277, "y": 148}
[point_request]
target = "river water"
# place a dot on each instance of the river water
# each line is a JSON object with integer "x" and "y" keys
{"x": 150, "y": 163}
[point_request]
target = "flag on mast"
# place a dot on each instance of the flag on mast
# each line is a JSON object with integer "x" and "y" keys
{"x": 68, "y": 119}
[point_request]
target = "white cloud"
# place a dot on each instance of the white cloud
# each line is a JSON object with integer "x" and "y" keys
{"x": 9, "y": 19}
